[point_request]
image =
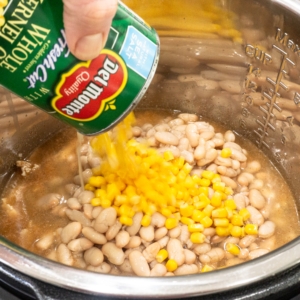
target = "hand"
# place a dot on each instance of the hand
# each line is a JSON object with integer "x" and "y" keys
{"x": 87, "y": 23}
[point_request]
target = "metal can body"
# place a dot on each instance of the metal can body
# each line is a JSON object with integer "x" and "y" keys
{"x": 92, "y": 96}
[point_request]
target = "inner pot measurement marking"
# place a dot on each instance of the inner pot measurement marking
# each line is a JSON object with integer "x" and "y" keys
{"x": 271, "y": 93}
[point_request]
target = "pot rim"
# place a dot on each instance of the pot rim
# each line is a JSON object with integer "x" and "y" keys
{"x": 88, "y": 282}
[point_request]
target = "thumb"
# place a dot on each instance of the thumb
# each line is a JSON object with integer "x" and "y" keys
{"x": 87, "y": 23}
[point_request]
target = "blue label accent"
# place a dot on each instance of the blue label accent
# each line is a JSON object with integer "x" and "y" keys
{"x": 138, "y": 52}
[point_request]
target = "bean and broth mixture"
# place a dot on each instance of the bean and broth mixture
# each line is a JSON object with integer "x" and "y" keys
{"x": 171, "y": 194}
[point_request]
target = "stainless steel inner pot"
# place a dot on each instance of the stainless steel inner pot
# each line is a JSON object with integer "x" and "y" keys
{"x": 251, "y": 49}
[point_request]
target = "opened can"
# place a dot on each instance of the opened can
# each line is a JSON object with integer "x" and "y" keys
{"x": 92, "y": 96}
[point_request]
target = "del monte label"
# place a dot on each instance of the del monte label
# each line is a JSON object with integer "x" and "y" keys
{"x": 86, "y": 90}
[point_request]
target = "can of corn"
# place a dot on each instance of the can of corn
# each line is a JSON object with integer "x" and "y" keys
{"x": 92, "y": 96}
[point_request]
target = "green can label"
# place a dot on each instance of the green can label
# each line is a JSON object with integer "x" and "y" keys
{"x": 92, "y": 96}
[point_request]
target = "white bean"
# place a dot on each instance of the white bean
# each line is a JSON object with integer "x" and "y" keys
{"x": 113, "y": 231}
{"x": 256, "y": 216}
{"x": 257, "y": 200}
{"x": 229, "y": 136}
{"x": 175, "y": 251}
{"x": 229, "y": 182}
{"x": 188, "y": 117}
{"x": 64, "y": 255}
{"x": 240, "y": 201}
{"x": 122, "y": 239}
{"x": 163, "y": 241}
{"x": 199, "y": 152}
{"x": 114, "y": 254}
{"x": 139, "y": 264}
{"x": 134, "y": 242}
{"x": 158, "y": 270}
{"x": 245, "y": 178}
{"x": 73, "y": 203}
{"x": 102, "y": 268}
{"x": 186, "y": 269}
{"x": 266, "y": 230}
{"x": 80, "y": 244}
{"x": 167, "y": 138}
{"x": 147, "y": 233}
{"x": 257, "y": 253}
{"x": 136, "y": 225}
{"x": 192, "y": 134}
{"x": 126, "y": 266}
{"x": 45, "y": 241}
{"x": 70, "y": 232}
{"x": 151, "y": 251}
{"x": 216, "y": 254}
{"x": 160, "y": 233}
{"x": 253, "y": 166}
{"x": 158, "y": 220}
{"x": 85, "y": 197}
{"x": 246, "y": 241}
{"x": 93, "y": 256}
{"x": 175, "y": 232}
{"x": 48, "y": 201}
{"x": 106, "y": 218}
{"x": 190, "y": 256}
{"x": 94, "y": 236}
{"x": 78, "y": 216}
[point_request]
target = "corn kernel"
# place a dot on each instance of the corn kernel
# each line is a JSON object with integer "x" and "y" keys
{"x": 161, "y": 255}
{"x": 219, "y": 186}
{"x": 219, "y": 213}
{"x": 207, "y": 174}
{"x": 236, "y": 231}
{"x": 186, "y": 221}
{"x": 226, "y": 152}
{"x": 230, "y": 204}
{"x": 245, "y": 214}
{"x": 208, "y": 210}
{"x": 146, "y": 221}
{"x": 221, "y": 222}
{"x": 198, "y": 215}
{"x": 206, "y": 222}
{"x": 105, "y": 203}
{"x": 237, "y": 220}
{"x": 251, "y": 229}
{"x": 222, "y": 231}
{"x": 96, "y": 202}
{"x": 205, "y": 182}
{"x": 187, "y": 168}
{"x": 165, "y": 212}
{"x": 186, "y": 210}
{"x": 195, "y": 227}
{"x": 197, "y": 238}
{"x": 168, "y": 155}
{"x": 216, "y": 199}
{"x": 171, "y": 265}
{"x": 89, "y": 187}
{"x": 228, "y": 191}
{"x": 207, "y": 268}
{"x": 125, "y": 220}
{"x": 126, "y": 210}
{"x": 232, "y": 248}
{"x": 171, "y": 223}
{"x": 97, "y": 181}
{"x": 204, "y": 190}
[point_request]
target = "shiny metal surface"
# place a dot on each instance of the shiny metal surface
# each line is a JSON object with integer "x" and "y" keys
{"x": 274, "y": 129}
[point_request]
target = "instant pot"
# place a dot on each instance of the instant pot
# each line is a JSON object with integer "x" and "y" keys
{"x": 238, "y": 65}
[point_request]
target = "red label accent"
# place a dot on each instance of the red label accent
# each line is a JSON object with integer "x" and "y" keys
{"x": 83, "y": 92}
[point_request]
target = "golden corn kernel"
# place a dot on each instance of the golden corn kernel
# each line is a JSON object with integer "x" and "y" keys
{"x": 228, "y": 190}
{"x": 189, "y": 182}
{"x": 207, "y": 174}
{"x": 229, "y": 212}
{"x": 171, "y": 265}
{"x": 219, "y": 186}
{"x": 251, "y": 229}
{"x": 205, "y": 182}
{"x": 204, "y": 190}
{"x": 126, "y": 210}
{"x": 186, "y": 221}
{"x": 112, "y": 191}
{"x": 222, "y": 231}
{"x": 171, "y": 223}
{"x": 221, "y": 222}
{"x": 96, "y": 202}
{"x": 135, "y": 200}
{"x": 206, "y": 222}
{"x": 226, "y": 152}
{"x": 187, "y": 168}
{"x": 166, "y": 212}
{"x": 245, "y": 214}
{"x": 195, "y": 227}
{"x": 89, "y": 187}
{"x": 125, "y": 220}
{"x": 207, "y": 268}
{"x": 161, "y": 255}
{"x": 105, "y": 203}
{"x": 236, "y": 231}
{"x": 216, "y": 199}
{"x": 146, "y": 221}
{"x": 181, "y": 176}
{"x": 120, "y": 199}
{"x": 186, "y": 210}
{"x": 197, "y": 238}
{"x": 219, "y": 213}
{"x": 237, "y": 220}
{"x": 198, "y": 215}
{"x": 208, "y": 210}
{"x": 177, "y": 216}
{"x": 216, "y": 178}
{"x": 97, "y": 181}
{"x": 232, "y": 248}
{"x": 168, "y": 155}
{"x": 172, "y": 209}
{"x": 230, "y": 204}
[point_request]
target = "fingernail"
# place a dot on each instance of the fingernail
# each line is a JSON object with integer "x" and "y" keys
{"x": 89, "y": 47}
